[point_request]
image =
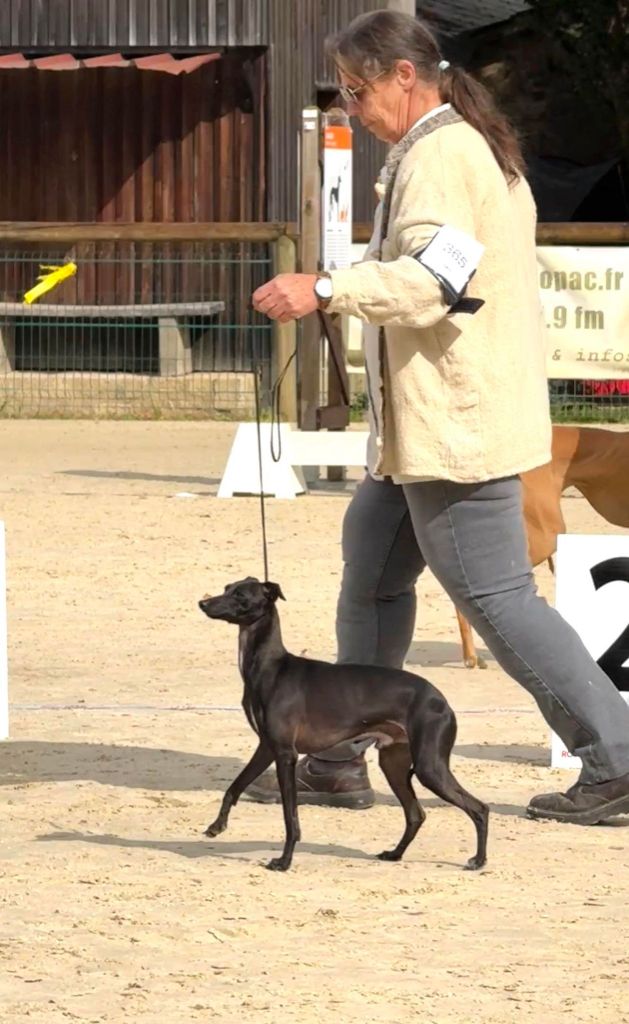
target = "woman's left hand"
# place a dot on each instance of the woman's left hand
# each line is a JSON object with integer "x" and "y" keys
{"x": 287, "y": 297}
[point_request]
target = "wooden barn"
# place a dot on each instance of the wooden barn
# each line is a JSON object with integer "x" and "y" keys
{"x": 162, "y": 110}
{"x": 155, "y": 113}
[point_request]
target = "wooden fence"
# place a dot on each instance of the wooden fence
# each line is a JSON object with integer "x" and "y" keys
{"x": 283, "y": 240}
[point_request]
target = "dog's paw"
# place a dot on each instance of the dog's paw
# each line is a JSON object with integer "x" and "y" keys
{"x": 475, "y": 863}
{"x": 389, "y": 855}
{"x": 277, "y": 864}
{"x": 214, "y": 829}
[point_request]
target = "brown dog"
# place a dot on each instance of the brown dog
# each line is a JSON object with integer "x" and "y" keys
{"x": 593, "y": 460}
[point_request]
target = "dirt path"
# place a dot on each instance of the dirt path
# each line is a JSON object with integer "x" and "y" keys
{"x": 126, "y": 728}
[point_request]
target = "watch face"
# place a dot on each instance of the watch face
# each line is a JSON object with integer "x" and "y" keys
{"x": 323, "y": 288}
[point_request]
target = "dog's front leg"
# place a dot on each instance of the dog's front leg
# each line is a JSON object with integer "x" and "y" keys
{"x": 259, "y": 762}
{"x": 286, "y": 763}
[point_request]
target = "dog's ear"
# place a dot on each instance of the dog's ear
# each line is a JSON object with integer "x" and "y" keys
{"x": 273, "y": 590}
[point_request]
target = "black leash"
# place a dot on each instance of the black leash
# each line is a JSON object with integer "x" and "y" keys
{"x": 276, "y": 436}
{"x": 323, "y": 320}
{"x": 256, "y": 388}
{"x": 276, "y": 389}
{"x": 276, "y": 433}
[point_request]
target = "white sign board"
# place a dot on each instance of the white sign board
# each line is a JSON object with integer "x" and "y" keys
{"x": 242, "y": 472}
{"x": 592, "y": 594}
{"x": 336, "y": 205}
{"x": 284, "y": 451}
{"x": 585, "y": 297}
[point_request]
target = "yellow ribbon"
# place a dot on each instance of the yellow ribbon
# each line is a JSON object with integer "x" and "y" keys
{"x": 53, "y": 277}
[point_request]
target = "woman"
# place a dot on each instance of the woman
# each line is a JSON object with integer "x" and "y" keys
{"x": 459, "y": 406}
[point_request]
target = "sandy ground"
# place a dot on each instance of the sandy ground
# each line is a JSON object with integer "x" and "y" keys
{"x": 125, "y": 728}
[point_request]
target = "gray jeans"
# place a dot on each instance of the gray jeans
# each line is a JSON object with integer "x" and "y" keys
{"x": 472, "y": 536}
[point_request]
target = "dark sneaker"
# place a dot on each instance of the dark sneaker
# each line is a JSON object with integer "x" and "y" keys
{"x": 324, "y": 783}
{"x": 583, "y": 804}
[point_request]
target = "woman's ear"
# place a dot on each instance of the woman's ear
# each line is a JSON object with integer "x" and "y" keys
{"x": 406, "y": 74}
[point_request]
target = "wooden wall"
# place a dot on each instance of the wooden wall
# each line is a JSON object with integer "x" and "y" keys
{"x": 130, "y": 145}
{"x": 292, "y": 31}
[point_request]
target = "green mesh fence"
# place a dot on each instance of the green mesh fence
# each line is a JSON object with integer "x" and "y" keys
{"x": 142, "y": 330}
{"x": 589, "y": 401}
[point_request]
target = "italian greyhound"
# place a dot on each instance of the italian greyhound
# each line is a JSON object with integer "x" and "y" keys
{"x": 301, "y": 706}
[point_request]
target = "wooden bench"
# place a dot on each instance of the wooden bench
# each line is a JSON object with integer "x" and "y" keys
{"x": 175, "y": 347}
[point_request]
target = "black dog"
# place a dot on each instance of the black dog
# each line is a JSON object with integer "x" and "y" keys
{"x": 301, "y": 706}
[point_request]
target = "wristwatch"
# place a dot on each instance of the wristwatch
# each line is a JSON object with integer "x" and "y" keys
{"x": 323, "y": 289}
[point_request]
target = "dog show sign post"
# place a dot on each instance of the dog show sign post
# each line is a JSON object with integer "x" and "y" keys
{"x": 336, "y": 207}
{"x": 592, "y": 594}
{"x": 336, "y": 254}
{"x": 4, "y": 667}
{"x": 309, "y": 260}
{"x": 325, "y": 243}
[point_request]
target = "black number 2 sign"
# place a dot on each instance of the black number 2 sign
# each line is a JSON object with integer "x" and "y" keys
{"x": 612, "y": 662}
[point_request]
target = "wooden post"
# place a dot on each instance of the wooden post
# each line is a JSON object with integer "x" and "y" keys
{"x": 175, "y": 349}
{"x": 309, "y": 369}
{"x": 43, "y": 233}
{"x": 285, "y": 335}
{"x": 7, "y": 346}
{"x": 49, "y": 233}
{"x": 337, "y": 156}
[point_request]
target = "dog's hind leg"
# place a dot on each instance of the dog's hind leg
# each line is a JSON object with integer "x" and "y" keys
{"x": 471, "y": 659}
{"x": 431, "y": 746}
{"x": 258, "y": 763}
{"x": 286, "y": 762}
{"x": 395, "y": 762}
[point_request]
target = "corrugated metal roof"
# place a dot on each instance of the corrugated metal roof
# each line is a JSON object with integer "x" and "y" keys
{"x": 132, "y": 23}
{"x": 451, "y": 17}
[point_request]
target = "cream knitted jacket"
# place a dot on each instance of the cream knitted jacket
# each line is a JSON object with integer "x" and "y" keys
{"x": 465, "y": 395}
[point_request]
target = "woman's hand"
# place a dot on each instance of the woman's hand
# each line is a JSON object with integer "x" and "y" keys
{"x": 287, "y": 297}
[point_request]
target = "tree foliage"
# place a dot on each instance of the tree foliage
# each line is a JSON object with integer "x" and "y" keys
{"x": 595, "y": 33}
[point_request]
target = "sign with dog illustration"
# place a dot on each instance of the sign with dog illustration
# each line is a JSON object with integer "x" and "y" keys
{"x": 592, "y": 594}
{"x": 585, "y": 298}
{"x": 336, "y": 205}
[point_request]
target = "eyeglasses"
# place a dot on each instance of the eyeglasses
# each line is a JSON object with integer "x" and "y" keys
{"x": 350, "y": 95}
